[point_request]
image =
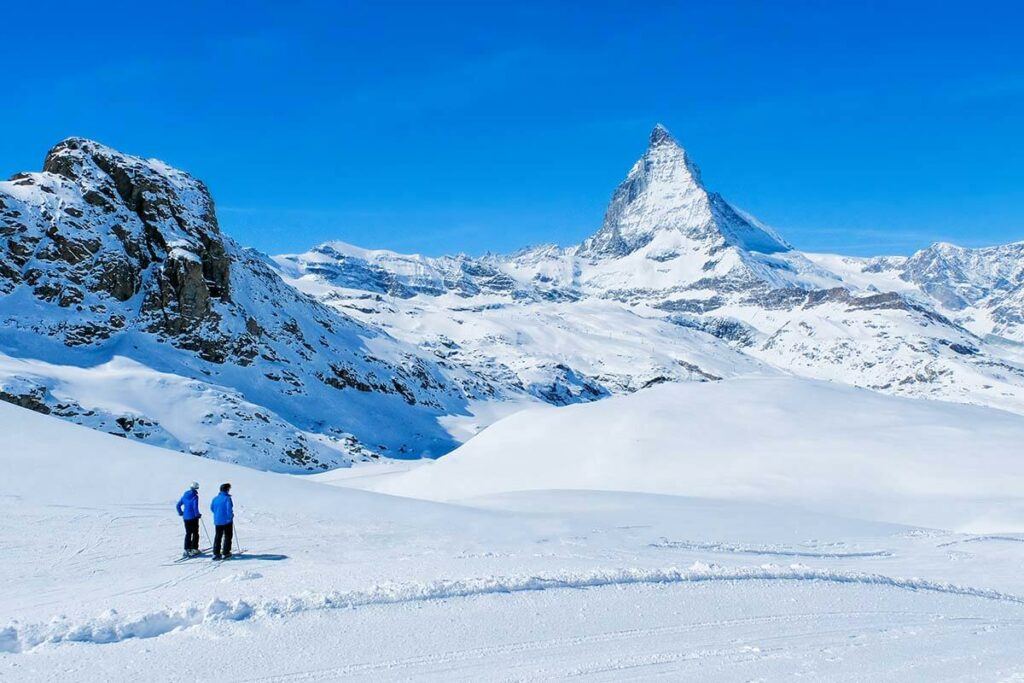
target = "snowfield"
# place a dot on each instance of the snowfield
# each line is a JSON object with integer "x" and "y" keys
{"x": 821, "y": 446}
{"x": 497, "y": 584}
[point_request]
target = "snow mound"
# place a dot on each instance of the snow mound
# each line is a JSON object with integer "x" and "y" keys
{"x": 826, "y": 447}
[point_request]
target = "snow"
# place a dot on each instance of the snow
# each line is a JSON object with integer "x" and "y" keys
{"x": 184, "y": 255}
{"x": 663, "y": 195}
{"x": 634, "y": 319}
{"x": 111, "y": 627}
{"x": 164, "y": 409}
{"x": 343, "y": 583}
{"x": 527, "y": 345}
{"x": 820, "y": 446}
{"x": 482, "y": 414}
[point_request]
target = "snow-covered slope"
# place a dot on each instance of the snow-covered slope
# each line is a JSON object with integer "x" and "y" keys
{"x": 335, "y": 583}
{"x": 814, "y": 445}
{"x": 672, "y": 254}
{"x": 125, "y": 308}
{"x": 558, "y": 351}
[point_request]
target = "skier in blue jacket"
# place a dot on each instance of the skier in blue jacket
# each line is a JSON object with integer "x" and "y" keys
{"x": 223, "y": 519}
{"x": 188, "y": 510}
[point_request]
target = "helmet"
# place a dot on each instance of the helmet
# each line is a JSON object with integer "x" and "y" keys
{"x": 194, "y": 486}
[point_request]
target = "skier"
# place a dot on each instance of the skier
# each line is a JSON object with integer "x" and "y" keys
{"x": 188, "y": 510}
{"x": 223, "y": 520}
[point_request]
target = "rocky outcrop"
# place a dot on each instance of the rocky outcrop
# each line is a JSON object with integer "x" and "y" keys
{"x": 98, "y": 229}
{"x": 105, "y": 254}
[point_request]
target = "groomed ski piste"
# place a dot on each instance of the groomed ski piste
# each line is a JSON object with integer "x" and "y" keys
{"x": 749, "y": 529}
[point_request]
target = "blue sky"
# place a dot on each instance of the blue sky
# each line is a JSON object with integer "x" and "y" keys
{"x": 857, "y": 127}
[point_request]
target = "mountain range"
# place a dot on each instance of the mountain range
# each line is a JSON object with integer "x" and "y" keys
{"x": 126, "y": 309}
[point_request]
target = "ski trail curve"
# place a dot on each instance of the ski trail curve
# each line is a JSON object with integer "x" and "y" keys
{"x": 112, "y": 627}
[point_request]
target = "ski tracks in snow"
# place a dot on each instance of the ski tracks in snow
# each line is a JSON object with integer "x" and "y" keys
{"x": 113, "y": 627}
{"x": 450, "y": 657}
{"x": 777, "y": 551}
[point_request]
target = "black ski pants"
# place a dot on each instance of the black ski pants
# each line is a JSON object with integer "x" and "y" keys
{"x": 222, "y": 539}
{"x": 192, "y": 534}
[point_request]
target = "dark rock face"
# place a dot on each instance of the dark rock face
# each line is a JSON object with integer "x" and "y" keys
{"x": 729, "y": 330}
{"x": 102, "y": 227}
{"x": 176, "y": 228}
{"x": 691, "y": 305}
{"x": 33, "y": 400}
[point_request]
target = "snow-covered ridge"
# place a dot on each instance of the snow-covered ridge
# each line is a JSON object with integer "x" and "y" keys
{"x": 672, "y": 252}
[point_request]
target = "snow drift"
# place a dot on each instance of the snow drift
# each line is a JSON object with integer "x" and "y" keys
{"x": 813, "y": 444}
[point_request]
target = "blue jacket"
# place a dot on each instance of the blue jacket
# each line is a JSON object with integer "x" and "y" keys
{"x": 188, "y": 505}
{"x": 223, "y": 510}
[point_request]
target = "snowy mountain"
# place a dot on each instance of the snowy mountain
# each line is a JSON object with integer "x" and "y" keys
{"x": 682, "y": 285}
{"x": 983, "y": 289}
{"x": 126, "y": 309}
{"x": 663, "y": 198}
{"x": 551, "y": 343}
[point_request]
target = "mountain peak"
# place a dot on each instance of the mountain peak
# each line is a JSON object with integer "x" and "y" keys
{"x": 78, "y": 146}
{"x": 666, "y": 158}
{"x": 660, "y": 134}
{"x": 663, "y": 194}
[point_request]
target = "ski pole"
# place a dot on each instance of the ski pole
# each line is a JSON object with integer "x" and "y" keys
{"x": 207, "y": 532}
{"x": 234, "y": 532}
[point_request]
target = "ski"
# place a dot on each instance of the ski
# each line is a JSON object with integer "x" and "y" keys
{"x": 185, "y": 558}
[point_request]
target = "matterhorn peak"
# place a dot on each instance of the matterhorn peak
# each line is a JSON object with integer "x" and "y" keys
{"x": 660, "y": 134}
{"x": 663, "y": 194}
{"x": 665, "y": 155}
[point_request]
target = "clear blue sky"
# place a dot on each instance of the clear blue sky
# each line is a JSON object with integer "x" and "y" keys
{"x": 858, "y": 127}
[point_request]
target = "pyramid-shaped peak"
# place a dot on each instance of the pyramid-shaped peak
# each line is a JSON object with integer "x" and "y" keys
{"x": 663, "y": 195}
{"x": 664, "y": 151}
